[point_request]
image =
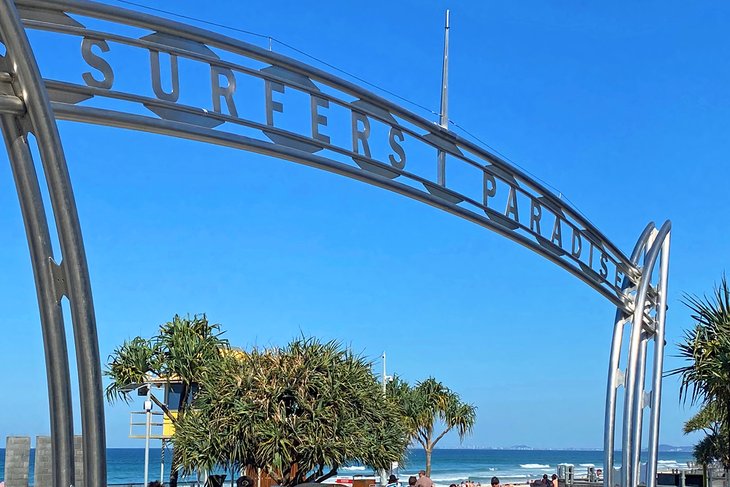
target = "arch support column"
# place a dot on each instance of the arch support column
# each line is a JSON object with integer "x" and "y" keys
{"x": 648, "y": 297}
{"x": 70, "y": 277}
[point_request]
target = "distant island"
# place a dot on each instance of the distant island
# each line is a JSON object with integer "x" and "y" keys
{"x": 684, "y": 449}
{"x": 662, "y": 448}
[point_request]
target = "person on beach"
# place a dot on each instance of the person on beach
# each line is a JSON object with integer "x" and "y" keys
{"x": 424, "y": 480}
{"x": 412, "y": 481}
{"x": 155, "y": 483}
{"x": 495, "y": 482}
{"x": 554, "y": 480}
{"x": 393, "y": 481}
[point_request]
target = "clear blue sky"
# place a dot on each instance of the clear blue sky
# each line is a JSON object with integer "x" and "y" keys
{"x": 623, "y": 107}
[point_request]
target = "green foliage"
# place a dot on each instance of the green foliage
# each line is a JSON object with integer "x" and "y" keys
{"x": 707, "y": 451}
{"x": 711, "y": 448}
{"x": 182, "y": 350}
{"x": 128, "y": 365}
{"x": 705, "y": 379}
{"x": 707, "y": 419}
{"x": 294, "y": 412}
{"x": 427, "y": 405}
{"x": 707, "y": 347}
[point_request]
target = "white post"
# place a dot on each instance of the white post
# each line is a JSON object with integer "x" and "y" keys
{"x": 148, "y": 420}
{"x": 162, "y": 461}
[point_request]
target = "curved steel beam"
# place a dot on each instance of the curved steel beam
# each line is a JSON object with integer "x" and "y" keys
{"x": 656, "y": 390}
{"x": 614, "y": 382}
{"x": 180, "y": 120}
{"x": 74, "y": 270}
{"x": 237, "y": 47}
{"x": 194, "y": 132}
{"x": 630, "y": 435}
{"x": 49, "y": 304}
{"x": 108, "y": 12}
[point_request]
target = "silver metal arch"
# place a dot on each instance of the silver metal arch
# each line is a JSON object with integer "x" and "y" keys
{"x": 635, "y": 399}
{"x": 372, "y": 106}
{"x": 70, "y": 277}
{"x": 30, "y": 104}
{"x": 647, "y": 322}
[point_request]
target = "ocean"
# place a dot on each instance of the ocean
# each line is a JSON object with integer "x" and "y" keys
{"x": 126, "y": 465}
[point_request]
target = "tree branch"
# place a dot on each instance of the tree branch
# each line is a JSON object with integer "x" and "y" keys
{"x": 440, "y": 436}
{"x": 328, "y": 475}
{"x": 164, "y": 408}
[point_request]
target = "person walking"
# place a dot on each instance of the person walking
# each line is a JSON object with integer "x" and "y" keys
{"x": 424, "y": 480}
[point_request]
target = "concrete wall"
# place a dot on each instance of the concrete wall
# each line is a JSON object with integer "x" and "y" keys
{"x": 42, "y": 468}
{"x": 17, "y": 461}
{"x": 79, "y": 461}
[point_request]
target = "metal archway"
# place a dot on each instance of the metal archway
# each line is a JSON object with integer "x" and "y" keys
{"x": 380, "y": 142}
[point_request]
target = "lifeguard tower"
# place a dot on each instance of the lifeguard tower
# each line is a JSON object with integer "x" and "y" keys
{"x": 150, "y": 424}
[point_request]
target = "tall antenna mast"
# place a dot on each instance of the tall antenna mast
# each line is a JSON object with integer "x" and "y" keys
{"x": 444, "y": 112}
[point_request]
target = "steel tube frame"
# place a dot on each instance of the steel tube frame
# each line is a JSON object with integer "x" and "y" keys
{"x": 71, "y": 277}
{"x": 193, "y": 132}
{"x": 612, "y": 384}
{"x": 638, "y": 406}
{"x": 54, "y": 337}
{"x": 239, "y": 48}
{"x": 116, "y": 14}
{"x": 656, "y": 391}
{"x": 74, "y": 275}
{"x": 631, "y": 435}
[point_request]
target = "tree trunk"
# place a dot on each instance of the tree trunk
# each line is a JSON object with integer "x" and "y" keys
{"x": 184, "y": 390}
{"x": 428, "y": 461}
{"x": 173, "y": 470}
{"x": 727, "y": 459}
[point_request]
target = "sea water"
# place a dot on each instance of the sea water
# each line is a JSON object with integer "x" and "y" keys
{"x": 126, "y": 465}
{"x": 514, "y": 466}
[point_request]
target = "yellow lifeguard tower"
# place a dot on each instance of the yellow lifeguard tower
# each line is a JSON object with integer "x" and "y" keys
{"x": 151, "y": 424}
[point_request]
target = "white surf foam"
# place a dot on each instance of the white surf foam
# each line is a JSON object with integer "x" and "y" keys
{"x": 534, "y": 465}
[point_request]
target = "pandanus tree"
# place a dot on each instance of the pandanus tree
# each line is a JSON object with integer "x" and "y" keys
{"x": 711, "y": 448}
{"x": 298, "y": 413}
{"x": 705, "y": 380}
{"x": 430, "y": 410}
{"x": 183, "y": 350}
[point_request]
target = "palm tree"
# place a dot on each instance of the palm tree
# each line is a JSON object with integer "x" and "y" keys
{"x": 710, "y": 448}
{"x": 181, "y": 352}
{"x": 428, "y": 405}
{"x": 705, "y": 452}
{"x": 705, "y": 379}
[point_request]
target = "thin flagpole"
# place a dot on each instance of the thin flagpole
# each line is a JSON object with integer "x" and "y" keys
{"x": 444, "y": 111}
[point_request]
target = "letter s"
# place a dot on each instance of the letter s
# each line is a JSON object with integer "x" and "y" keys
{"x": 397, "y": 148}
{"x": 97, "y": 62}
